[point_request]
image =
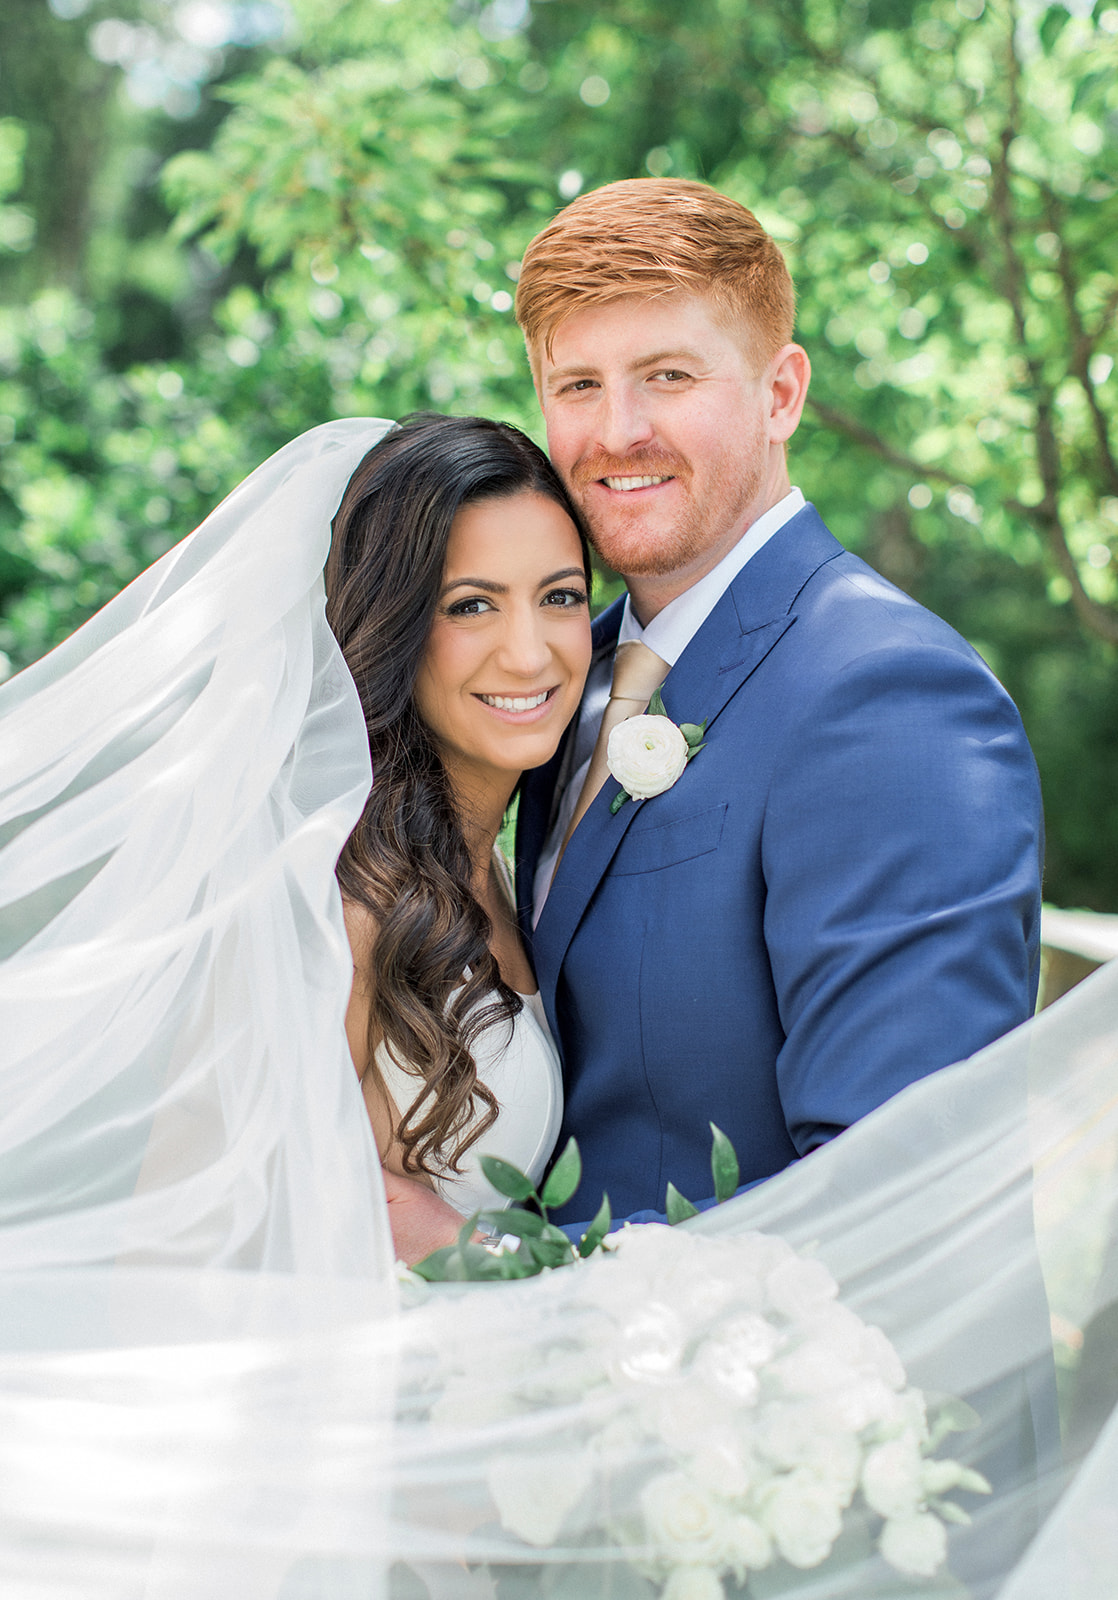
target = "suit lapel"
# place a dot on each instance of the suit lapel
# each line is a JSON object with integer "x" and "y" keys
{"x": 538, "y": 789}
{"x": 746, "y": 623}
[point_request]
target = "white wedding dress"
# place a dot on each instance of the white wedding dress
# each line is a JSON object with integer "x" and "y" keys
{"x": 208, "y": 1384}
{"x": 520, "y": 1063}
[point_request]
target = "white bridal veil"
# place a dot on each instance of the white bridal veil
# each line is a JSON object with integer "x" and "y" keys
{"x": 211, "y": 1382}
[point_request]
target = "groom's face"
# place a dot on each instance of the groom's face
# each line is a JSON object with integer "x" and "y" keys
{"x": 656, "y": 417}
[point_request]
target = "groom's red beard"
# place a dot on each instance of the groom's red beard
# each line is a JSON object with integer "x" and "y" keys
{"x": 636, "y": 540}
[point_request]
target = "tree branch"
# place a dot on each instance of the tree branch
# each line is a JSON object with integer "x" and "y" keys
{"x": 857, "y": 431}
{"x": 1082, "y": 346}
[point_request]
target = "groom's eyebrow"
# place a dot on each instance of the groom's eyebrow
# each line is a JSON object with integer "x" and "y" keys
{"x": 655, "y": 358}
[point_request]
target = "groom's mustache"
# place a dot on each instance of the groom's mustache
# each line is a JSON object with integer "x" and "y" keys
{"x": 644, "y": 464}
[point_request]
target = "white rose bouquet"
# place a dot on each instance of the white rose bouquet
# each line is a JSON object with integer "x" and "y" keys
{"x": 726, "y": 1416}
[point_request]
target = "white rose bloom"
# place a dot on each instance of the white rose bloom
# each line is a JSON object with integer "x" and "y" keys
{"x": 915, "y": 1544}
{"x": 813, "y": 1368}
{"x": 646, "y": 755}
{"x": 893, "y": 1478}
{"x": 802, "y": 1515}
{"x": 649, "y": 1345}
{"x": 721, "y": 1465}
{"x": 535, "y": 1494}
{"x": 683, "y": 1519}
{"x": 746, "y": 1546}
{"x": 798, "y": 1288}
{"x": 693, "y": 1583}
{"x": 836, "y": 1460}
{"x": 687, "y": 1414}
{"x": 879, "y": 1353}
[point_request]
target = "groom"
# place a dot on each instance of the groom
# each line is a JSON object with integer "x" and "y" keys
{"x": 840, "y": 893}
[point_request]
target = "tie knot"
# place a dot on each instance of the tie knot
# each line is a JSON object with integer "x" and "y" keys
{"x": 637, "y": 672}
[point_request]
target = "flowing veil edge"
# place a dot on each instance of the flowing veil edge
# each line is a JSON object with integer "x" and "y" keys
{"x": 207, "y": 1384}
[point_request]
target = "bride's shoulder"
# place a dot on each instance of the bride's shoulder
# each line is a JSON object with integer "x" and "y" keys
{"x": 361, "y": 929}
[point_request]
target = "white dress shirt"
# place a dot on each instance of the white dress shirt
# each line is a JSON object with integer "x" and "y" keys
{"x": 669, "y": 633}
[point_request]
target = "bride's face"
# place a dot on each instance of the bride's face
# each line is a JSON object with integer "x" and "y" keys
{"x": 509, "y": 648}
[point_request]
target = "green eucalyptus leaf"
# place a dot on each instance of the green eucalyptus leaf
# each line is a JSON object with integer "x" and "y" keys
{"x": 564, "y": 1177}
{"x": 677, "y": 1207}
{"x": 524, "y": 1224}
{"x": 949, "y": 1414}
{"x": 597, "y": 1230}
{"x": 433, "y": 1267}
{"x": 550, "y": 1253}
{"x": 507, "y": 1179}
{"x": 723, "y": 1165}
{"x": 950, "y": 1512}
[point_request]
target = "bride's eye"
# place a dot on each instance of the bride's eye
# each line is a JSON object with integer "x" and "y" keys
{"x": 473, "y": 605}
{"x": 565, "y": 599}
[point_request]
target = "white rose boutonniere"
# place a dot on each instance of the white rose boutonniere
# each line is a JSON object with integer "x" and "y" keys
{"x": 647, "y": 754}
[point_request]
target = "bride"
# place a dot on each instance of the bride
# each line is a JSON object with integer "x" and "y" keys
{"x": 211, "y": 1382}
{"x": 458, "y": 589}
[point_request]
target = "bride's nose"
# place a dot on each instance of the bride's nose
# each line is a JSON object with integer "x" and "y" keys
{"x": 524, "y": 649}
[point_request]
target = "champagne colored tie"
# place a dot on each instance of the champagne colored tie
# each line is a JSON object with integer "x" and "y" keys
{"x": 637, "y": 674}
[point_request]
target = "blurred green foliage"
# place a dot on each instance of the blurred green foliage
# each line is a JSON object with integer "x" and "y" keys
{"x": 329, "y": 223}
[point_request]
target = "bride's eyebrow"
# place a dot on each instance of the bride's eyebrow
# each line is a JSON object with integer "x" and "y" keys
{"x": 502, "y": 588}
{"x": 476, "y": 583}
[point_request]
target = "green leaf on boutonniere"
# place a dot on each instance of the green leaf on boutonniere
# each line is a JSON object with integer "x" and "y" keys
{"x": 597, "y": 1230}
{"x": 507, "y": 1179}
{"x": 564, "y": 1177}
{"x": 723, "y": 1165}
{"x": 693, "y": 733}
{"x": 677, "y": 1207}
{"x": 656, "y": 706}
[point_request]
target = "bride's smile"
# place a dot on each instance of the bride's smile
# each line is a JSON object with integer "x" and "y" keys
{"x": 509, "y": 646}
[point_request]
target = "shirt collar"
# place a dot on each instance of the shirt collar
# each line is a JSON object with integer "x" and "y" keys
{"x": 671, "y": 630}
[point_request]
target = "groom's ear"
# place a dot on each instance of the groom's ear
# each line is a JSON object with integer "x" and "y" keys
{"x": 788, "y": 376}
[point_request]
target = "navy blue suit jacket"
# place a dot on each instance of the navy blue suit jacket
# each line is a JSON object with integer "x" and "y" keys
{"x": 840, "y": 894}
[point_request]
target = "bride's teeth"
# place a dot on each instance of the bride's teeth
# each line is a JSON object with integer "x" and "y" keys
{"x": 505, "y": 702}
{"x": 632, "y": 483}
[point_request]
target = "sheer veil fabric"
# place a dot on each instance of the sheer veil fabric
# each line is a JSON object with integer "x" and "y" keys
{"x": 211, "y": 1382}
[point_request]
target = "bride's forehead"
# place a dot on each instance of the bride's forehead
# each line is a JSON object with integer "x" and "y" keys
{"x": 509, "y": 532}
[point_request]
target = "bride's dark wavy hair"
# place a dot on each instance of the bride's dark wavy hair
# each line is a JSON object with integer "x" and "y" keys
{"x": 434, "y": 982}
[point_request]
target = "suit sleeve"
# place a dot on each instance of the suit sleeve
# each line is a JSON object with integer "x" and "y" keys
{"x": 901, "y": 850}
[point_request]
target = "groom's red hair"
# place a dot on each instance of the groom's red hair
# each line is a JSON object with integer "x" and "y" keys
{"x": 645, "y": 237}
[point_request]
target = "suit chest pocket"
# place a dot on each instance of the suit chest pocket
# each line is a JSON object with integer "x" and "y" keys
{"x": 664, "y": 844}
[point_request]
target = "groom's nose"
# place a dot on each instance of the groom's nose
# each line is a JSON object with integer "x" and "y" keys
{"x": 623, "y": 420}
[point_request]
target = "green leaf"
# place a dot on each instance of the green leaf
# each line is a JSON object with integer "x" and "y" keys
{"x": 723, "y": 1165}
{"x": 949, "y": 1415}
{"x": 549, "y": 1252}
{"x": 693, "y": 750}
{"x": 617, "y": 802}
{"x": 1052, "y": 26}
{"x": 677, "y": 1207}
{"x": 656, "y": 705}
{"x": 524, "y": 1224}
{"x": 507, "y": 1179}
{"x": 597, "y": 1230}
{"x": 693, "y": 732}
{"x": 950, "y": 1512}
{"x": 564, "y": 1177}
{"x": 433, "y": 1267}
